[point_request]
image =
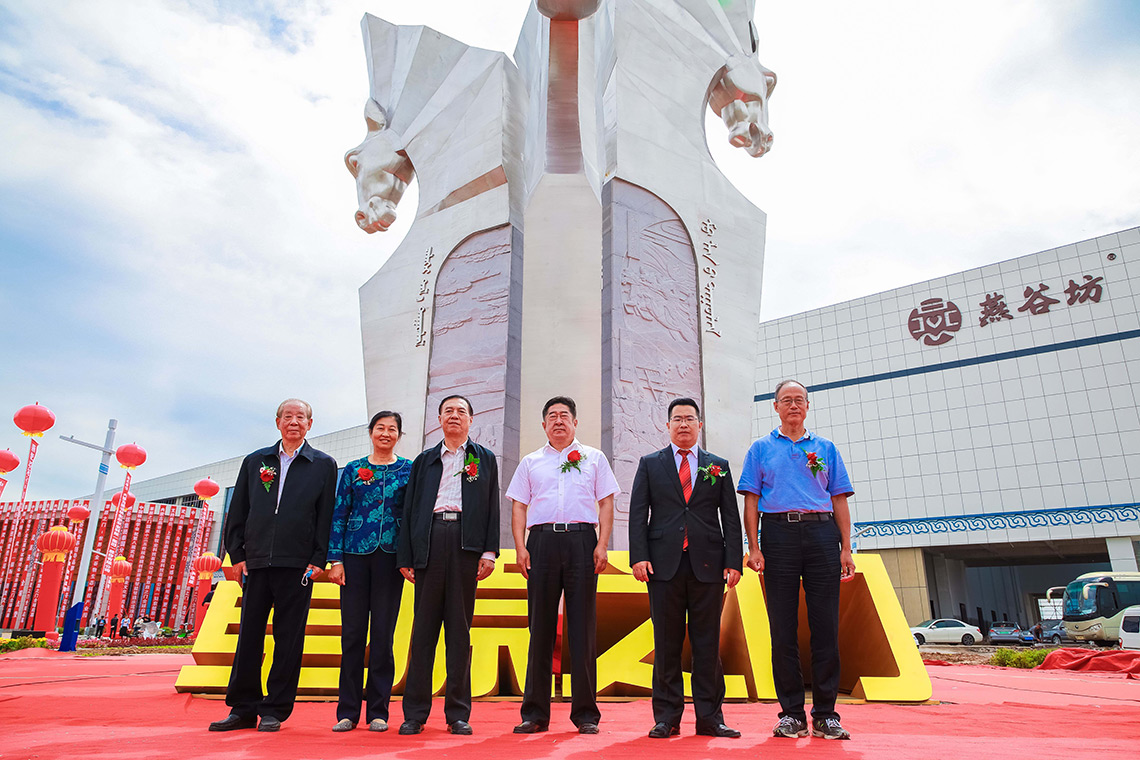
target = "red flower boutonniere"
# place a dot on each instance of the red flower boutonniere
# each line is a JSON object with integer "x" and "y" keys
{"x": 365, "y": 475}
{"x": 267, "y": 475}
{"x": 814, "y": 463}
{"x": 470, "y": 468}
{"x": 573, "y": 461}
{"x": 711, "y": 472}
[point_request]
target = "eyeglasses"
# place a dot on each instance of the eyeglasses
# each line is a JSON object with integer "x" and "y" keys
{"x": 688, "y": 420}
{"x": 793, "y": 401}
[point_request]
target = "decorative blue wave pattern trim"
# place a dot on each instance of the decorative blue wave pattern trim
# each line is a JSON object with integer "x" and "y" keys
{"x": 958, "y": 364}
{"x": 1036, "y": 518}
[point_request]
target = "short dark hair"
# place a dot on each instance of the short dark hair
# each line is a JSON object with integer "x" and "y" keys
{"x": 386, "y": 413}
{"x": 782, "y": 383}
{"x": 470, "y": 409}
{"x": 565, "y": 400}
{"x": 684, "y": 401}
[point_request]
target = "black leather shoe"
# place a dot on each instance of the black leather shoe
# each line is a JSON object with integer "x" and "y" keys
{"x": 233, "y": 723}
{"x": 663, "y": 731}
{"x": 588, "y": 728}
{"x": 719, "y": 730}
{"x": 460, "y": 727}
{"x": 530, "y": 727}
{"x": 409, "y": 727}
{"x": 269, "y": 723}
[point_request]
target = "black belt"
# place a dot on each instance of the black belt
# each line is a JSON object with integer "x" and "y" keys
{"x": 446, "y": 516}
{"x": 795, "y": 517}
{"x": 563, "y": 527}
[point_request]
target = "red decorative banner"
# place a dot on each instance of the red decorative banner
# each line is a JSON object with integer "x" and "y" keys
{"x": 164, "y": 559}
{"x": 142, "y": 577}
{"x": 37, "y": 524}
{"x": 171, "y": 589}
{"x": 119, "y": 527}
{"x": 2, "y": 484}
{"x": 18, "y": 563}
{"x": 28, "y": 470}
{"x": 155, "y": 554}
{"x": 31, "y": 612}
{"x": 10, "y": 554}
{"x": 194, "y": 551}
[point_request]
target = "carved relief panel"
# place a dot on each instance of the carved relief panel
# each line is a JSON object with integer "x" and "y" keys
{"x": 650, "y": 329}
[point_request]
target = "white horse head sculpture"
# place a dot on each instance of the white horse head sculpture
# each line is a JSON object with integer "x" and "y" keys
{"x": 382, "y": 170}
{"x": 423, "y": 84}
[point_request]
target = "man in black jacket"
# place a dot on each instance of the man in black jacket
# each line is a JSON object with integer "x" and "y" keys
{"x": 685, "y": 542}
{"x": 277, "y": 533}
{"x": 448, "y": 542}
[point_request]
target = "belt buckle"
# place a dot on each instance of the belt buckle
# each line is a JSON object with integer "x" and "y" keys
{"x": 794, "y": 517}
{"x": 565, "y": 527}
{"x": 450, "y": 516}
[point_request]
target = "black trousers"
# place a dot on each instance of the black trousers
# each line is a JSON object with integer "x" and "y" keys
{"x": 807, "y": 551}
{"x": 445, "y": 595}
{"x": 369, "y": 606}
{"x": 279, "y": 589}
{"x": 562, "y": 563}
{"x": 669, "y": 603}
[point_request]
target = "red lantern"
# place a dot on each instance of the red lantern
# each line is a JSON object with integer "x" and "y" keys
{"x": 34, "y": 419}
{"x": 130, "y": 456}
{"x": 78, "y": 514}
{"x": 120, "y": 568}
{"x": 55, "y": 543}
{"x": 206, "y": 489}
{"x": 118, "y": 497}
{"x": 8, "y": 461}
{"x": 207, "y": 564}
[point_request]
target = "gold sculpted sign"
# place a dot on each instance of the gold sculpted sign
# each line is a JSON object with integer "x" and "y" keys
{"x": 879, "y": 659}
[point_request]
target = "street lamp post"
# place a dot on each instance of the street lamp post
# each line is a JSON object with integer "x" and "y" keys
{"x": 75, "y": 610}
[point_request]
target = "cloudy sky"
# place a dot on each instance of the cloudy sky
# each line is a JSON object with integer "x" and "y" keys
{"x": 176, "y": 227}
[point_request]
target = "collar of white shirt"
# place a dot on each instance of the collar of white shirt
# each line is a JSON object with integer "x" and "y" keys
{"x": 444, "y": 450}
{"x": 574, "y": 446}
{"x": 695, "y": 449}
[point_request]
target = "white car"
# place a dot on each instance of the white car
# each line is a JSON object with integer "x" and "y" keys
{"x": 1130, "y": 628}
{"x": 945, "y": 631}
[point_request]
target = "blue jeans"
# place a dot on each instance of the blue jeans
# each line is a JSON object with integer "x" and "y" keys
{"x": 807, "y": 552}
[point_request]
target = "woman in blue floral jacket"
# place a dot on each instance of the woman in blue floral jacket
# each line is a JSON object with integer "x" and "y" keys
{"x": 362, "y": 548}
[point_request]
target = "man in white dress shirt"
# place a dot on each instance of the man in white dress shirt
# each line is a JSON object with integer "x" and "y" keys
{"x": 564, "y": 495}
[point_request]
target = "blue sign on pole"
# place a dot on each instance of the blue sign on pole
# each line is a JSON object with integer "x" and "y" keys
{"x": 103, "y": 468}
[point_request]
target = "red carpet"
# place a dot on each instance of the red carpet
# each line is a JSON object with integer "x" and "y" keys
{"x": 1110, "y": 661}
{"x": 62, "y": 706}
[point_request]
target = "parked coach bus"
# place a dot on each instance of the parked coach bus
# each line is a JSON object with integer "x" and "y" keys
{"x": 1094, "y": 604}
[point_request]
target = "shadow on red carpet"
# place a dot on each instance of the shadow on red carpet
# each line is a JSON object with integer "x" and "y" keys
{"x": 62, "y": 706}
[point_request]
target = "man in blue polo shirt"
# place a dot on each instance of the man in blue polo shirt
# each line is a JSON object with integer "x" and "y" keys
{"x": 797, "y": 481}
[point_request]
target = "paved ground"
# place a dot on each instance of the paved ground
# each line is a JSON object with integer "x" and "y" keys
{"x": 125, "y": 707}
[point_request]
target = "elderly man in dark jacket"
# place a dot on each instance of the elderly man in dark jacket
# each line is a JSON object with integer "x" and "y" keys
{"x": 277, "y": 534}
{"x": 448, "y": 542}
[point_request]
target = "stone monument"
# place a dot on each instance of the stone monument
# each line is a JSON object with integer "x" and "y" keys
{"x": 574, "y": 235}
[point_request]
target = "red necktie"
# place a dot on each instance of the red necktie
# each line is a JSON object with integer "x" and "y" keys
{"x": 686, "y": 486}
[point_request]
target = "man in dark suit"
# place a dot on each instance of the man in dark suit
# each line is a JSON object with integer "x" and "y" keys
{"x": 448, "y": 542}
{"x": 685, "y": 542}
{"x": 277, "y": 533}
